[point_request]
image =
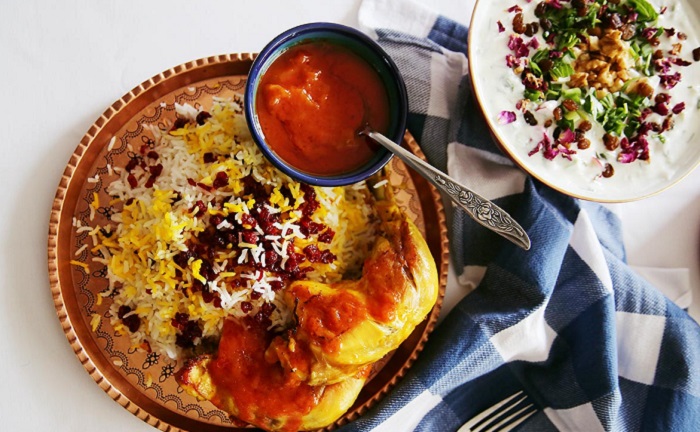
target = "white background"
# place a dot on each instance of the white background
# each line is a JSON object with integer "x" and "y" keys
{"x": 61, "y": 65}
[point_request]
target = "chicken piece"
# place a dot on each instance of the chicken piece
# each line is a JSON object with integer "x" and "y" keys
{"x": 308, "y": 377}
{"x": 239, "y": 381}
{"x": 350, "y": 324}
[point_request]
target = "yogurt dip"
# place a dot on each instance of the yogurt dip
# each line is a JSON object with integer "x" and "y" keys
{"x": 591, "y": 171}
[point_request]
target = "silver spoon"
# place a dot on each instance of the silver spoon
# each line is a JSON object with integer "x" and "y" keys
{"x": 478, "y": 208}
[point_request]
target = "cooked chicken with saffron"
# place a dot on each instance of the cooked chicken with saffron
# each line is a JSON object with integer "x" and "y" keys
{"x": 308, "y": 376}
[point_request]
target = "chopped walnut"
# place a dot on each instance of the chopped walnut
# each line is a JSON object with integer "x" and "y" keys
{"x": 579, "y": 79}
{"x": 605, "y": 62}
{"x": 677, "y": 48}
{"x": 641, "y": 87}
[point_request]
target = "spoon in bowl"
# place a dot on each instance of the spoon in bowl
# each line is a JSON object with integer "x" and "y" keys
{"x": 477, "y": 207}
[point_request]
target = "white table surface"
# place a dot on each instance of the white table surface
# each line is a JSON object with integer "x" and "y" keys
{"x": 61, "y": 65}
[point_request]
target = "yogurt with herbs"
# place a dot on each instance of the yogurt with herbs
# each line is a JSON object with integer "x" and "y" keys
{"x": 598, "y": 99}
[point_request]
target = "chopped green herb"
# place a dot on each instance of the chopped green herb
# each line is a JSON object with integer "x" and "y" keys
{"x": 562, "y": 70}
{"x": 645, "y": 10}
{"x": 574, "y": 94}
{"x": 534, "y": 95}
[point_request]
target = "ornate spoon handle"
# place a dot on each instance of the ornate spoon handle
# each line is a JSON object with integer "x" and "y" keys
{"x": 477, "y": 207}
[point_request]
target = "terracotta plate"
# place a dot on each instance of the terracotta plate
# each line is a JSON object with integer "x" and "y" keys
{"x": 143, "y": 382}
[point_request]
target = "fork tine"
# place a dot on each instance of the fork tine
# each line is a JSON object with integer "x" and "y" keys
{"x": 488, "y": 412}
{"x": 505, "y": 425}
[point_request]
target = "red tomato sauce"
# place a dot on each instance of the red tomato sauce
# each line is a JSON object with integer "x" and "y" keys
{"x": 312, "y": 101}
{"x": 260, "y": 390}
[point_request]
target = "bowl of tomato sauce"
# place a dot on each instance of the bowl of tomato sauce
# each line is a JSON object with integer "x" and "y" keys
{"x": 309, "y": 93}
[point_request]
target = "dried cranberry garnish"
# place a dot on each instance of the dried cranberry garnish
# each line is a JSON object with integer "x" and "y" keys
{"x": 197, "y": 286}
{"x": 180, "y": 320}
{"x": 307, "y": 226}
{"x": 252, "y": 187}
{"x": 191, "y": 182}
{"x": 205, "y": 187}
{"x": 326, "y": 236}
{"x": 262, "y": 319}
{"x": 220, "y": 180}
{"x": 276, "y": 285}
{"x": 152, "y": 154}
{"x": 182, "y": 258}
{"x": 315, "y": 255}
{"x": 133, "y": 322}
{"x": 123, "y": 310}
{"x": 179, "y": 123}
{"x": 202, "y": 117}
{"x": 246, "y": 306}
{"x": 255, "y": 295}
{"x": 156, "y": 170}
{"x": 267, "y": 309}
{"x": 207, "y": 296}
{"x": 271, "y": 258}
{"x": 201, "y": 206}
{"x": 250, "y": 237}
{"x": 327, "y": 257}
{"x": 133, "y": 163}
{"x": 312, "y": 253}
{"x": 215, "y": 220}
{"x": 249, "y": 220}
{"x": 186, "y": 338}
{"x": 132, "y": 181}
{"x": 310, "y": 204}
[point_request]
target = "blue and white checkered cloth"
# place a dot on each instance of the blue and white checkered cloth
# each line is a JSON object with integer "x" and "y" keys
{"x": 591, "y": 343}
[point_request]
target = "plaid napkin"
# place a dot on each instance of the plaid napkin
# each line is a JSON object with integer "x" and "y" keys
{"x": 592, "y": 344}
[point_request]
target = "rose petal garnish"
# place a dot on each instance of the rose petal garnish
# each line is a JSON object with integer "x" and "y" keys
{"x": 534, "y": 43}
{"x": 679, "y": 108}
{"x": 627, "y": 157}
{"x": 649, "y": 33}
{"x": 681, "y": 62}
{"x": 625, "y": 143}
{"x": 515, "y": 8}
{"x": 661, "y": 109}
{"x": 511, "y": 61}
{"x": 566, "y": 152}
{"x": 567, "y": 137}
{"x": 514, "y": 42}
{"x": 501, "y": 29}
{"x": 662, "y": 65}
{"x": 670, "y": 81}
{"x": 506, "y": 117}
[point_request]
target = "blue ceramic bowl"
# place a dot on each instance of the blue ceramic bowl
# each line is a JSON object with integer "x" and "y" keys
{"x": 364, "y": 47}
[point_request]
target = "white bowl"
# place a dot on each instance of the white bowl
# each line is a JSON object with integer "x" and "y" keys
{"x": 497, "y": 89}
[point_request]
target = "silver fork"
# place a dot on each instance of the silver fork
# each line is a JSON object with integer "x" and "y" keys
{"x": 504, "y": 416}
